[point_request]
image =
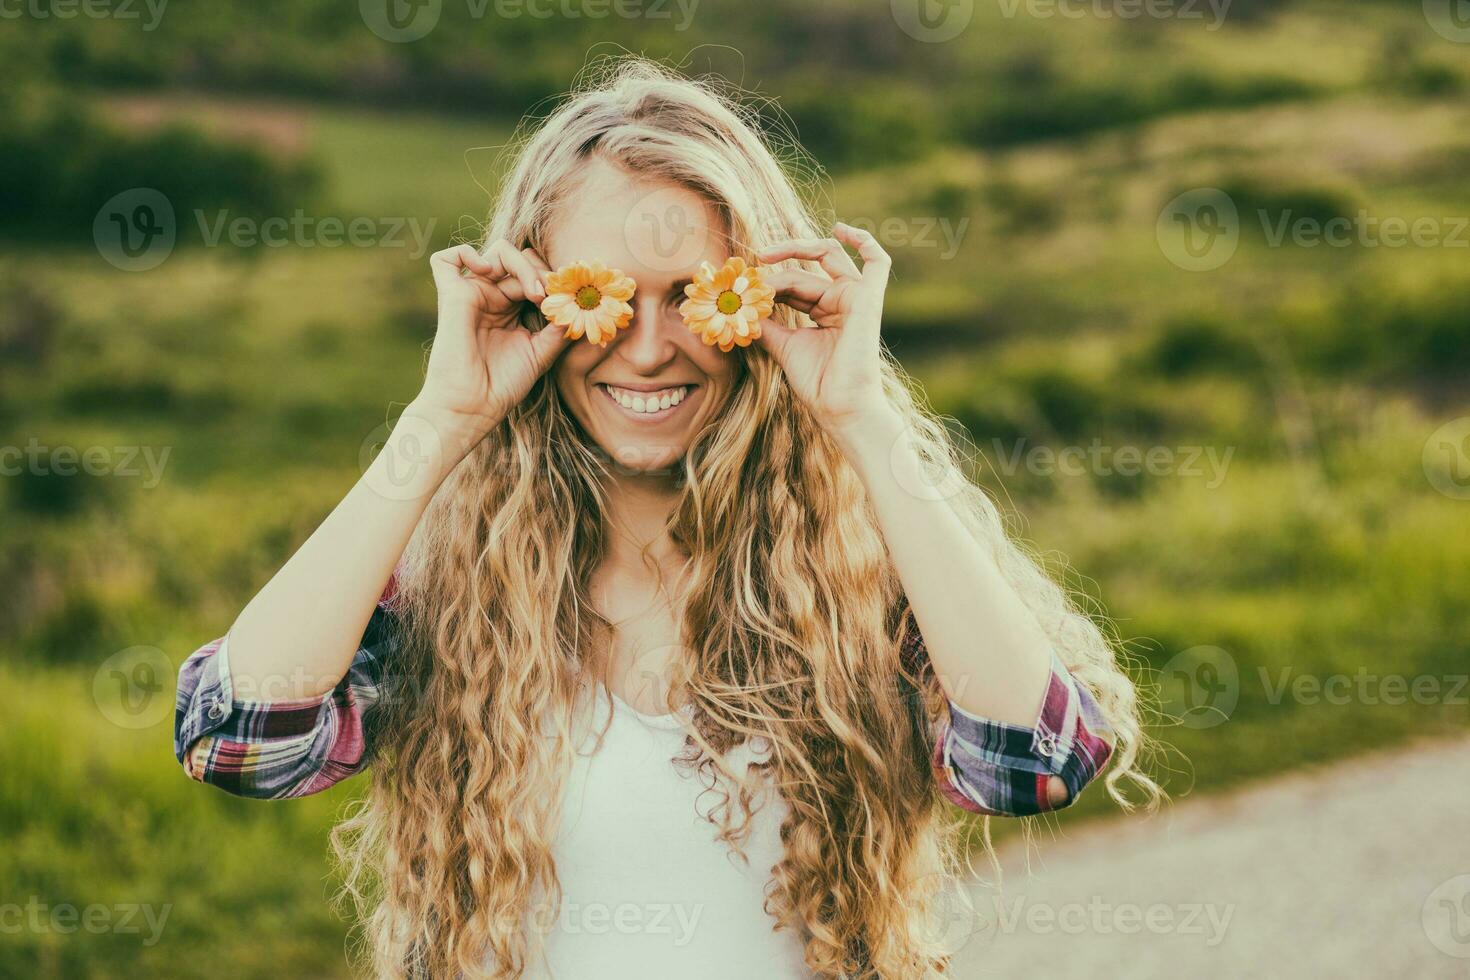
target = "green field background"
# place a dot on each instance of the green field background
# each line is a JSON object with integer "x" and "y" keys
{"x": 1325, "y": 546}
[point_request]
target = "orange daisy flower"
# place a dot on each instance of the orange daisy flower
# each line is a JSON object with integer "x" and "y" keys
{"x": 725, "y": 305}
{"x": 588, "y": 300}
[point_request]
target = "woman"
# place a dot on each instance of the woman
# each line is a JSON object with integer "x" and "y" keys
{"x": 669, "y": 653}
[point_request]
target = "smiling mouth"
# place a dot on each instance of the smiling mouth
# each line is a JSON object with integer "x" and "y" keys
{"x": 647, "y": 405}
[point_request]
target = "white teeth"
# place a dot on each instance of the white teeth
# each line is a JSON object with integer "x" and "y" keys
{"x": 647, "y": 402}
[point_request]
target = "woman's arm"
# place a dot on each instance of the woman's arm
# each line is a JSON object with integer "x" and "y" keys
{"x": 297, "y": 637}
{"x": 957, "y": 591}
{"x": 277, "y": 749}
{"x": 281, "y": 706}
{"x": 990, "y": 655}
{"x": 1022, "y": 735}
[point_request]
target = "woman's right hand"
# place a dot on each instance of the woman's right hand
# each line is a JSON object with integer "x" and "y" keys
{"x": 483, "y": 361}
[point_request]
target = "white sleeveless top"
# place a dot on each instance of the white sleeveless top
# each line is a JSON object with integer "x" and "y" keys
{"x": 648, "y": 892}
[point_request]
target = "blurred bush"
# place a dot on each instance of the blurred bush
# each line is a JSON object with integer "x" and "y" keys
{"x": 60, "y": 162}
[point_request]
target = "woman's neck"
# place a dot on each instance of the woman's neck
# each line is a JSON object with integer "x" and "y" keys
{"x": 637, "y": 522}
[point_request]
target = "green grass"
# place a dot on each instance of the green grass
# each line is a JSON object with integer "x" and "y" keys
{"x": 1324, "y": 549}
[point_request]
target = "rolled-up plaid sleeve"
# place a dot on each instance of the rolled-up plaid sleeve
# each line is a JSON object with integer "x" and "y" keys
{"x": 995, "y": 768}
{"x": 999, "y": 769}
{"x": 273, "y": 749}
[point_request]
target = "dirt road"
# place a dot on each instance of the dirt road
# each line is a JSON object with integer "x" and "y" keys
{"x": 1358, "y": 870}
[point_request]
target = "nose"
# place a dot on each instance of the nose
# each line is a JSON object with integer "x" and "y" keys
{"x": 647, "y": 345}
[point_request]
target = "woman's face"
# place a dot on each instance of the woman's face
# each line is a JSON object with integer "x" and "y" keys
{"x": 656, "y": 233}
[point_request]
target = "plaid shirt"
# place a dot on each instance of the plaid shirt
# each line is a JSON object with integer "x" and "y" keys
{"x": 280, "y": 749}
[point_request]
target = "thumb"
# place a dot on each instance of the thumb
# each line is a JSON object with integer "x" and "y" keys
{"x": 775, "y": 338}
{"x": 547, "y": 345}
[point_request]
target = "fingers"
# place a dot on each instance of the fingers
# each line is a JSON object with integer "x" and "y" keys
{"x": 534, "y": 257}
{"x": 876, "y": 262}
{"x": 502, "y": 267}
{"x": 774, "y": 337}
{"x": 826, "y": 251}
{"x": 547, "y": 345}
{"x": 448, "y": 263}
{"x": 797, "y": 288}
{"x": 520, "y": 279}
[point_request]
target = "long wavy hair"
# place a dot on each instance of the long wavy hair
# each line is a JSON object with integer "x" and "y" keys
{"x": 794, "y": 625}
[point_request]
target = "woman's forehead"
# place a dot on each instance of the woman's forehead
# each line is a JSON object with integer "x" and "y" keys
{"x": 655, "y": 231}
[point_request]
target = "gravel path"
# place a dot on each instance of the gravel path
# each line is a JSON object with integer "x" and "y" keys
{"x": 1357, "y": 870}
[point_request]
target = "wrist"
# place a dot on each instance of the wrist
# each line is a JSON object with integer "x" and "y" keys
{"x": 458, "y": 431}
{"x": 422, "y": 450}
{"x": 869, "y": 433}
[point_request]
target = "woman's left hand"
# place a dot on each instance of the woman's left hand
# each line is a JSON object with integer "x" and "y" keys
{"x": 834, "y": 370}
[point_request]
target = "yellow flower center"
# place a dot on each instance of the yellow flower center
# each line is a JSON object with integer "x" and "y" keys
{"x": 588, "y": 297}
{"x": 729, "y": 302}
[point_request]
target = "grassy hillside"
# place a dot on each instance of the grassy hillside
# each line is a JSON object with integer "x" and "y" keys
{"x": 1291, "y": 527}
